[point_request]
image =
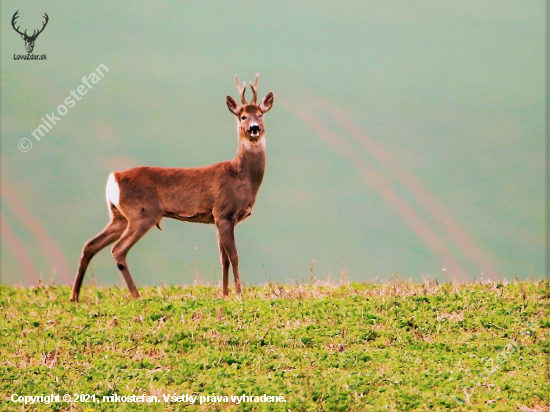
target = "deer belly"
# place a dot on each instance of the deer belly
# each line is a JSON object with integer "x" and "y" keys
{"x": 201, "y": 217}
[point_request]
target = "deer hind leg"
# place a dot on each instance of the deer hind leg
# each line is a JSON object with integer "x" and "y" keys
{"x": 224, "y": 257}
{"x": 226, "y": 231}
{"x": 112, "y": 232}
{"x": 134, "y": 231}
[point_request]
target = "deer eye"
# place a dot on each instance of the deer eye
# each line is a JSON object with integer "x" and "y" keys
{"x": 244, "y": 117}
{"x": 260, "y": 115}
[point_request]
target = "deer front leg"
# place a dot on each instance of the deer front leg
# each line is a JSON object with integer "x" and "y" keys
{"x": 129, "y": 238}
{"x": 226, "y": 232}
{"x": 224, "y": 258}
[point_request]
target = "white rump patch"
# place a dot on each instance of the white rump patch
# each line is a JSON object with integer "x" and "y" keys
{"x": 112, "y": 192}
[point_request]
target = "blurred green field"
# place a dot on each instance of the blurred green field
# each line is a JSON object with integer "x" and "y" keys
{"x": 397, "y": 346}
{"x": 405, "y": 136}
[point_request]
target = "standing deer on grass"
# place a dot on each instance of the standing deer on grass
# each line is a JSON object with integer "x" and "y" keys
{"x": 222, "y": 194}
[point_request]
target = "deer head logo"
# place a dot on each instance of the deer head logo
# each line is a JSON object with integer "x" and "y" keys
{"x": 29, "y": 40}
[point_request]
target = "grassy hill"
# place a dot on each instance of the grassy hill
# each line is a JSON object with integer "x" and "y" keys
{"x": 404, "y": 137}
{"x": 350, "y": 347}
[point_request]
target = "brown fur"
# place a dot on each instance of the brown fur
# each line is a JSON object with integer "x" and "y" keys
{"x": 222, "y": 194}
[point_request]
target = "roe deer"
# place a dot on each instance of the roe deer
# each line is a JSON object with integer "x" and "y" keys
{"x": 222, "y": 194}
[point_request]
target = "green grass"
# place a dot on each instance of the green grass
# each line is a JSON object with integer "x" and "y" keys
{"x": 357, "y": 347}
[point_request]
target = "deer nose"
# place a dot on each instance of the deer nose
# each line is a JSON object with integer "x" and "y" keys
{"x": 254, "y": 129}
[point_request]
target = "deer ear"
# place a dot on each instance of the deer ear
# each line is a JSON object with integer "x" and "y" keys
{"x": 233, "y": 106}
{"x": 267, "y": 102}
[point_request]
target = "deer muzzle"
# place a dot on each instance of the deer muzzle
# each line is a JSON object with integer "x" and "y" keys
{"x": 254, "y": 130}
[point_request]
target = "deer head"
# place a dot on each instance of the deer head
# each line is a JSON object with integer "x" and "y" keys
{"x": 250, "y": 122}
{"x": 29, "y": 40}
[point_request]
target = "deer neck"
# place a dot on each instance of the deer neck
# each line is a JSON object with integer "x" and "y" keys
{"x": 250, "y": 159}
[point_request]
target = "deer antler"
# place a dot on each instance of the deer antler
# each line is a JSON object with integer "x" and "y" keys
{"x": 34, "y": 33}
{"x": 43, "y": 27}
{"x": 254, "y": 88}
{"x": 15, "y": 16}
{"x": 241, "y": 90}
